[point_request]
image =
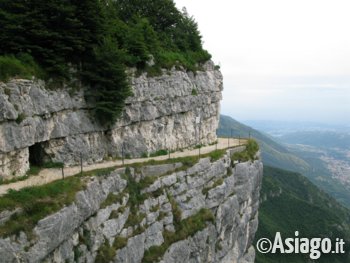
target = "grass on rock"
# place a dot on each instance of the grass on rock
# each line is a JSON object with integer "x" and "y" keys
{"x": 38, "y": 202}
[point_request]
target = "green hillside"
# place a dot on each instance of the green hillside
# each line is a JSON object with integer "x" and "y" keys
{"x": 320, "y": 174}
{"x": 273, "y": 154}
{"x": 276, "y": 155}
{"x": 290, "y": 202}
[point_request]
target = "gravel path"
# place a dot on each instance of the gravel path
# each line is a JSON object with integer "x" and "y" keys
{"x": 48, "y": 175}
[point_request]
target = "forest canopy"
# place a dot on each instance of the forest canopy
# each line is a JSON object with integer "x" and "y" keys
{"x": 95, "y": 41}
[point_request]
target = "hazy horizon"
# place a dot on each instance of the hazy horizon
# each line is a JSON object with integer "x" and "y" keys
{"x": 287, "y": 61}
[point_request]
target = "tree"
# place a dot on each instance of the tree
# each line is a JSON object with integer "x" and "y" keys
{"x": 98, "y": 39}
{"x": 108, "y": 81}
{"x": 162, "y": 14}
{"x": 54, "y": 32}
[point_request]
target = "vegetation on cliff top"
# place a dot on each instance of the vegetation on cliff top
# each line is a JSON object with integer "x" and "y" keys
{"x": 94, "y": 41}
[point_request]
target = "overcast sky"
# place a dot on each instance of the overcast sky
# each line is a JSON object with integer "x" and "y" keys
{"x": 281, "y": 59}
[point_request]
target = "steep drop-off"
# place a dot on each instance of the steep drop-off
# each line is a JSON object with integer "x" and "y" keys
{"x": 290, "y": 202}
{"x": 205, "y": 212}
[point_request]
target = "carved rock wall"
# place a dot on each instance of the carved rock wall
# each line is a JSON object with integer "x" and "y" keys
{"x": 56, "y": 125}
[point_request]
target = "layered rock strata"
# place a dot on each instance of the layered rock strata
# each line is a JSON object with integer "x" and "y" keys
{"x": 218, "y": 194}
{"x": 39, "y": 125}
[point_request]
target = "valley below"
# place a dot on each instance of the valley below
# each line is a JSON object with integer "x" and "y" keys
{"x": 335, "y": 160}
{"x": 340, "y": 169}
{"x": 325, "y": 148}
{"x": 305, "y": 185}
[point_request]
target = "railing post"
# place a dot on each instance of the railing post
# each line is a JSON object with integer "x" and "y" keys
{"x": 81, "y": 163}
{"x": 123, "y": 153}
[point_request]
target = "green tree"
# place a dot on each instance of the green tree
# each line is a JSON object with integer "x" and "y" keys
{"x": 187, "y": 36}
{"x": 12, "y": 15}
{"x": 108, "y": 81}
{"x": 98, "y": 39}
{"x": 162, "y": 14}
{"x": 54, "y": 32}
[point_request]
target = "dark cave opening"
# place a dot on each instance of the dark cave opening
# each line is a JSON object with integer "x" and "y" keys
{"x": 36, "y": 154}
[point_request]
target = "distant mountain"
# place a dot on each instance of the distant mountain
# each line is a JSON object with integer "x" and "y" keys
{"x": 291, "y": 157}
{"x": 320, "y": 139}
{"x": 289, "y": 203}
{"x": 273, "y": 153}
{"x": 282, "y": 127}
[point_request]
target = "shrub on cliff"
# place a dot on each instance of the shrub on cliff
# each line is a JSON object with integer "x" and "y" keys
{"x": 22, "y": 66}
{"x": 96, "y": 40}
{"x": 252, "y": 147}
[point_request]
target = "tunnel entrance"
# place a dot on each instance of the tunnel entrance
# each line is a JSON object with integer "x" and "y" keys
{"x": 36, "y": 154}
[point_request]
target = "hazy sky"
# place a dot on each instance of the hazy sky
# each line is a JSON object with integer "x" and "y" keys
{"x": 281, "y": 59}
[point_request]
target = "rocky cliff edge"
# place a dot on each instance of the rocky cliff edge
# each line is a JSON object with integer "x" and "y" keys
{"x": 204, "y": 213}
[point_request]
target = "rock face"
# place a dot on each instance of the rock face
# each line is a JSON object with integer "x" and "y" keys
{"x": 222, "y": 196}
{"x": 39, "y": 125}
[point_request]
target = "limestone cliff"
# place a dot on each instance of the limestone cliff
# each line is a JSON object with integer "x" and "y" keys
{"x": 203, "y": 213}
{"x": 187, "y": 210}
{"x": 38, "y": 124}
